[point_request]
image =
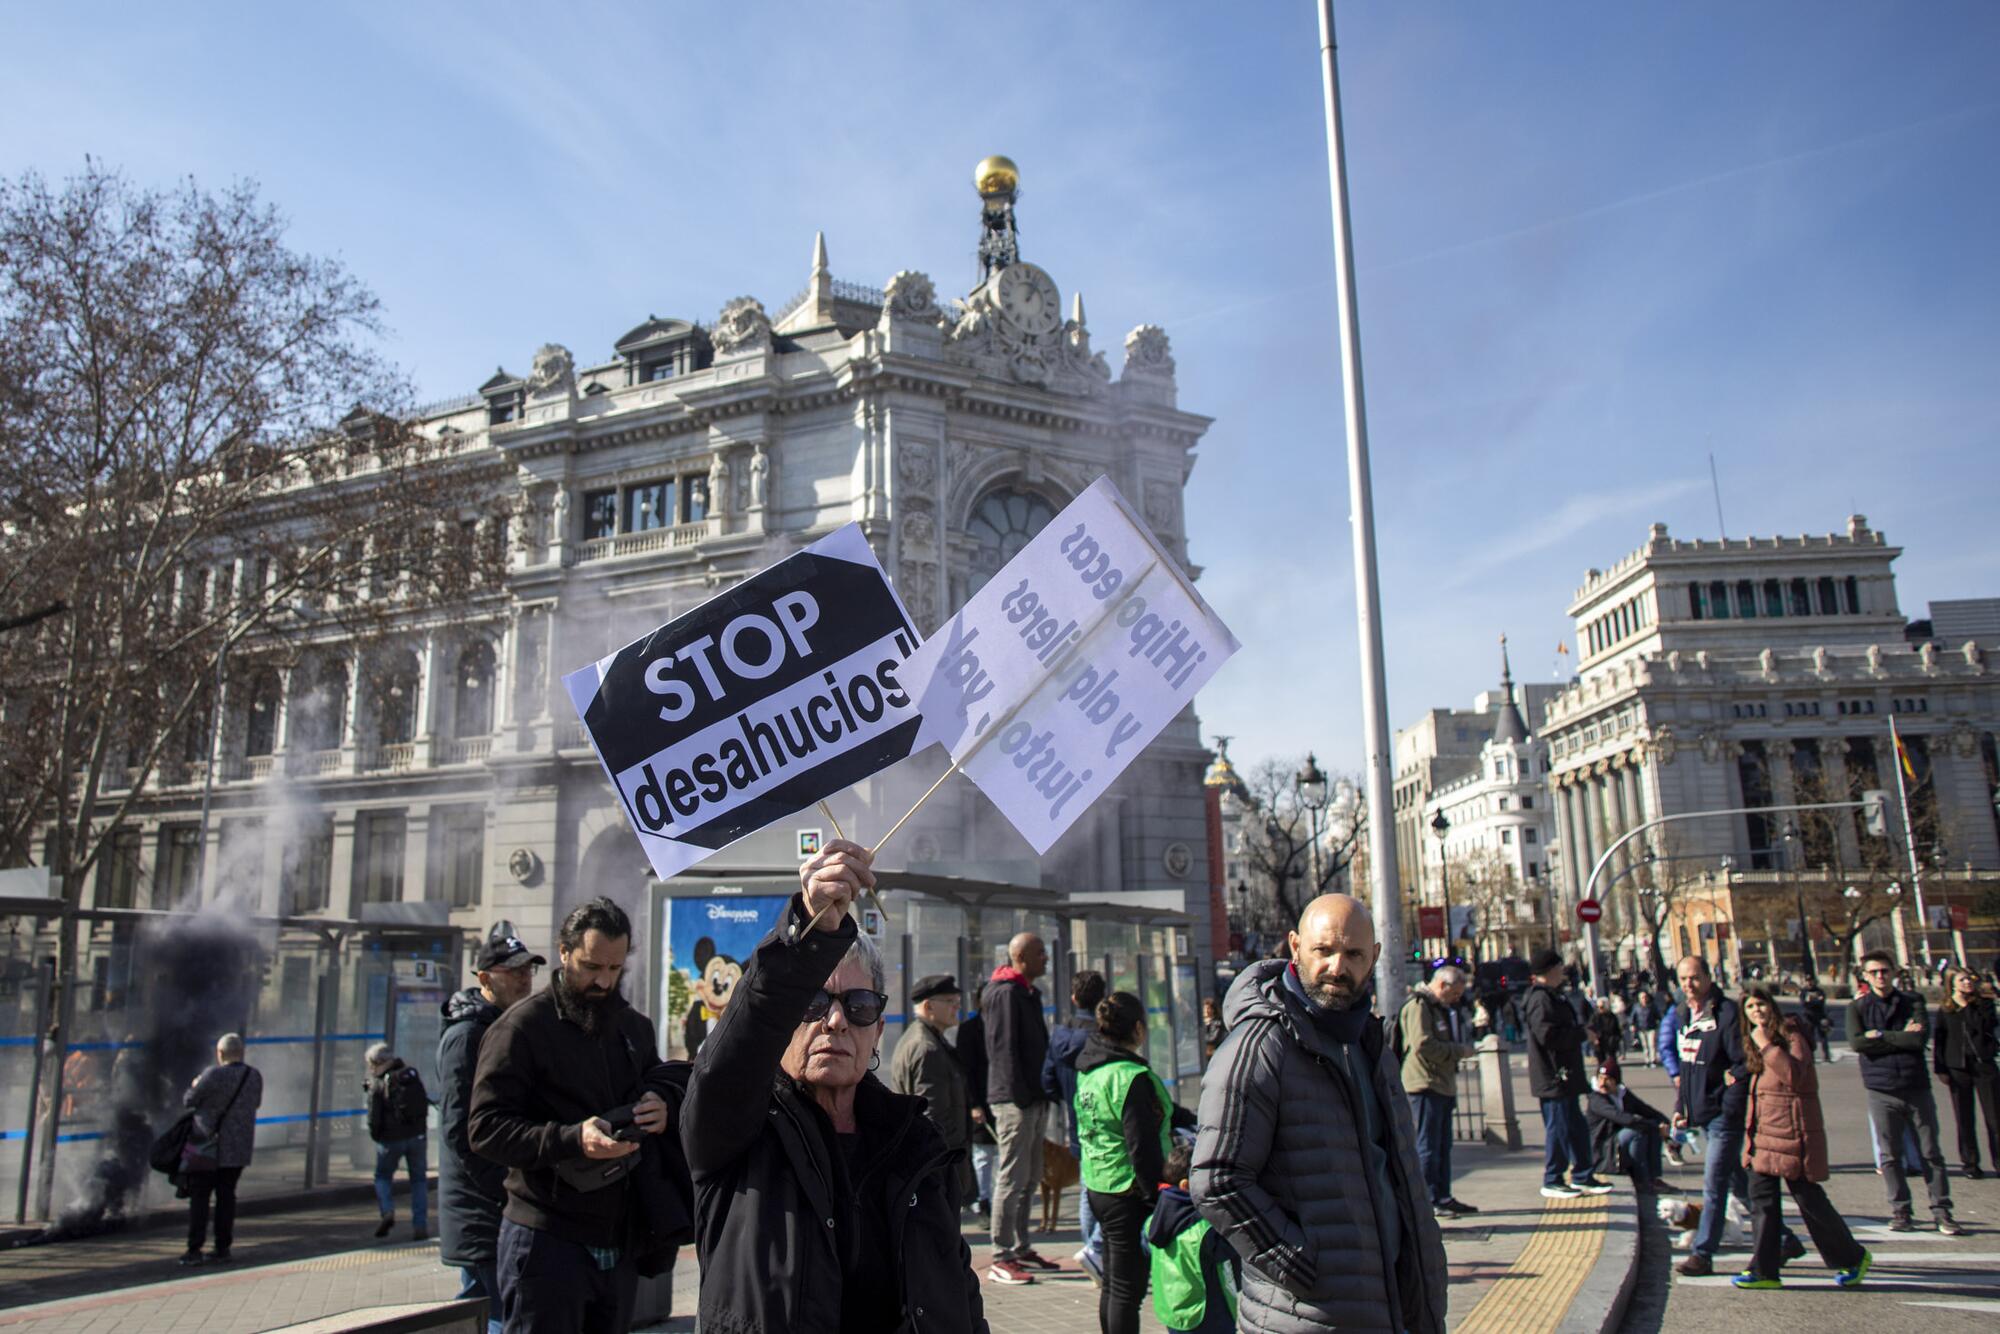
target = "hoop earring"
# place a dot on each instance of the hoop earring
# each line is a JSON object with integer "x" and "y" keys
{"x": 875, "y": 1060}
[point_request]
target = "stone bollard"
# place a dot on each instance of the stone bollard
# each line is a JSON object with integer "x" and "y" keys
{"x": 1496, "y": 1093}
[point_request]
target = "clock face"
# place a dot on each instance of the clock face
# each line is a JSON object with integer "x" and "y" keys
{"x": 1028, "y": 298}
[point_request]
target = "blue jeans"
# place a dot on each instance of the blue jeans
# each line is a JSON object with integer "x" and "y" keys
{"x": 1433, "y": 1115}
{"x": 1091, "y": 1230}
{"x": 483, "y": 1280}
{"x": 1566, "y": 1141}
{"x": 1643, "y": 1147}
{"x": 1722, "y": 1175}
{"x": 387, "y": 1154}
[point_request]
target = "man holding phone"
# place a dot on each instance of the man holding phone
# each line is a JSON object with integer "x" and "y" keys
{"x": 570, "y": 1090}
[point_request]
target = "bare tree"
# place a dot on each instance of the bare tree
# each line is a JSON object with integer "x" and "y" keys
{"x": 1278, "y": 838}
{"x": 200, "y": 451}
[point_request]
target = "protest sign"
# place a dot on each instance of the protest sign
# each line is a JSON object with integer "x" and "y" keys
{"x": 760, "y": 701}
{"x": 1058, "y": 672}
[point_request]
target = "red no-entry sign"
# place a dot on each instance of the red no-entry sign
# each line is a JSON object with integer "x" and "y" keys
{"x": 1588, "y": 910}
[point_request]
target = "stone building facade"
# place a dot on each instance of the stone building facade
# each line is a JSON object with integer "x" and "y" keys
{"x": 1492, "y": 867}
{"x": 1764, "y": 671}
{"x": 450, "y": 770}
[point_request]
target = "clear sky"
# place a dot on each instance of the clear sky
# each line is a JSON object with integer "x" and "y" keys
{"x": 1596, "y": 242}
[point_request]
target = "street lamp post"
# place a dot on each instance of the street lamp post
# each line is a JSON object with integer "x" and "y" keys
{"x": 1794, "y": 850}
{"x": 1442, "y": 828}
{"x": 1311, "y": 786}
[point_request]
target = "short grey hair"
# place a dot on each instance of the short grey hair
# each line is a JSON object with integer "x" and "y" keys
{"x": 230, "y": 1046}
{"x": 379, "y": 1053}
{"x": 863, "y": 952}
{"x": 1449, "y": 974}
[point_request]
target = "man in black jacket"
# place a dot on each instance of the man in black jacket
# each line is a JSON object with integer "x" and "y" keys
{"x": 1623, "y": 1124}
{"x": 472, "y": 1189}
{"x": 583, "y": 1219}
{"x": 1017, "y": 1042}
{"x": 1555, "y": 1073}
{"x": 1888, "y": 1028}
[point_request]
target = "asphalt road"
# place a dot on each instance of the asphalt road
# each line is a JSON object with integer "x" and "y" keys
{"x": 1920, "y": 1280}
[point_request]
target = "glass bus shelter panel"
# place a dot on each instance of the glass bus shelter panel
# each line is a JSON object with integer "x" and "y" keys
{"x": 24, "y": 996}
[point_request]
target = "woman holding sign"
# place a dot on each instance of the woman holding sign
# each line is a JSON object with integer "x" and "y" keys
{"x": 823, "y": 1201}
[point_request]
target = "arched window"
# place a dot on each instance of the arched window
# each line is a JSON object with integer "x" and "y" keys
{"x": 1001, "y": 523}
{"x": 472, "y": 691}
{"x": 260, "y": 728}
{"x": 396, "y": 698}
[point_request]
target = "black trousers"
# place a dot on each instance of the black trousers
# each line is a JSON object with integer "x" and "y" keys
{"x": 220, "y": 1183}
{"x": 1836, "y": 1245}
{"x": 1123, "y": 1218}
{"x": 1966, "y": 1089}
{"x": 552, "y": 1286}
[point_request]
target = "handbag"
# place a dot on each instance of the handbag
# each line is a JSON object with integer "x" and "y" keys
{"x": 202, "y": 1155}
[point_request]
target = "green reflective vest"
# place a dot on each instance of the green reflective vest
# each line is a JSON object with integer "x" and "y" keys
{"x": 1180, "y": 1291}
{"x": 1100, "y": 1125}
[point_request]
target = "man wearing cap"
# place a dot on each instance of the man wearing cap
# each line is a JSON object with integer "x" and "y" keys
{"x": 472, "y": 1190}
{"x": 925, "y": 1066}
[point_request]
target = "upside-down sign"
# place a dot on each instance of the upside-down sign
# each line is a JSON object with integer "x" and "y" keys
{"x": 760, "y": 701}
{"x": 1057, "y": 673}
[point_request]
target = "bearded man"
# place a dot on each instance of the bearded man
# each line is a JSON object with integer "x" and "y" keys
{"x": 572, "y": 1097}
{"x": 1306, "y": 1161}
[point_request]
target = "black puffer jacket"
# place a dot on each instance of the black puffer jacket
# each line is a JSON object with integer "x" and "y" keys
{"x": 772, "y": 1215}
{"x": 1280, "y": 1170}
{"x": 398, "y": 1107}
{"x": 1894, "y": 1062}
{"x": 471, "y": 1189}
{"x": 1555, "y": 1045}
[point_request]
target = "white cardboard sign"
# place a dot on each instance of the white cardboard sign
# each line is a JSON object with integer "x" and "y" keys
{"x": 1058, "y": 672}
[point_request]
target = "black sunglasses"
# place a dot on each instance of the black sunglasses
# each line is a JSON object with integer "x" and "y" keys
{"x": 861, "y": 1006}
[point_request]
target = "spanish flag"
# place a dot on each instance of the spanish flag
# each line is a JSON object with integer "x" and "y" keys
{"x": 1903, "y": 756}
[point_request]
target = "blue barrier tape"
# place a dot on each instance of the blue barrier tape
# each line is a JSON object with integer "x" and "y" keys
{"x": 78, "y": 1135}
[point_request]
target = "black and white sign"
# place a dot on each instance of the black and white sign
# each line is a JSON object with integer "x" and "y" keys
{"x": 757, "y": 703}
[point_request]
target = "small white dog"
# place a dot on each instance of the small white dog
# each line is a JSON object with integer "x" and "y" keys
{"x": 1684, "y": 1217}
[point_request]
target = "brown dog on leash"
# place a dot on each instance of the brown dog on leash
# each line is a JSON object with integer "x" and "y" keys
{"x": 1058, "y": 1174}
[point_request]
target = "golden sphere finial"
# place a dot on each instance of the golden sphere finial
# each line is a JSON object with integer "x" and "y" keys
{"x": 996, "y": 175}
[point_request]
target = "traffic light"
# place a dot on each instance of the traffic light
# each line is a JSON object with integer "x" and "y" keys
{"x": 1874, "y": 812}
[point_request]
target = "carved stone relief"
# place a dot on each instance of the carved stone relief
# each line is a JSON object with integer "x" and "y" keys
{"x": 916, "y": 582}
{"x": 741, "y": 327}
{"x": 916, "y": 464}
{"x": 910, "y": 296}
{"x": 1163, "y": 506}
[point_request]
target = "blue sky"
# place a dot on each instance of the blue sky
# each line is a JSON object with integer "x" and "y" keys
{"x": 1596, "y": 242}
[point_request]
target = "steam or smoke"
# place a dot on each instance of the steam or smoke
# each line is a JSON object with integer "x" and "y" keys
{"x": 194, "y": 978}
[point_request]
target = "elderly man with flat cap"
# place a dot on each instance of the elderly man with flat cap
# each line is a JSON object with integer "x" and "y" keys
{"x": 926, "y": 1066}
{"x": 1306, "y": 1161}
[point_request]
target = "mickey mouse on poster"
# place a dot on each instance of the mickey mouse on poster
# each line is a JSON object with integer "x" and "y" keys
{"x": 715, "y": 977}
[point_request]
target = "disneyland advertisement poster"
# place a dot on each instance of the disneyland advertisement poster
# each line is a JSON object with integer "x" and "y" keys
{"x": 708, "y": 943}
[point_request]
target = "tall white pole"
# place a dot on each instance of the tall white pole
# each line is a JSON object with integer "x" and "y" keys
{"x": 1382, "y": 878}
{"x": 1910, "y": 840}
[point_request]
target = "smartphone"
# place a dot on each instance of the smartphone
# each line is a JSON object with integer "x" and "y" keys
{"x": 623, "y": 1126}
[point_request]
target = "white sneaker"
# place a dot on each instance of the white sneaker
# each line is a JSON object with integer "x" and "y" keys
{"x": 1560, "y": 1193}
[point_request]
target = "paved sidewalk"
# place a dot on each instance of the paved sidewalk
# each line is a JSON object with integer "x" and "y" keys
{"x": 1520, "y": 1264}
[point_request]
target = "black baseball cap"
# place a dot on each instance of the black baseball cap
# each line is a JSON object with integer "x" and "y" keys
{"x": 934, "y": 984}
{"x": 506, "y": 952}
{"x": 1544, "y": 960}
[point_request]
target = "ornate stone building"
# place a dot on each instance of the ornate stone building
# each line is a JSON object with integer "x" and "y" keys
{"x": 1764, "y": 671}
{"x": 695, "y": 454}
{"x": 1491, "y": 865}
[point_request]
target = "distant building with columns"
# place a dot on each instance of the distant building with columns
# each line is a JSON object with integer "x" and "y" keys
{"x": 1764, "y": 671}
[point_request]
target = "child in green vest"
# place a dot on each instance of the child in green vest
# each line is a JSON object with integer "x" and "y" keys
{"x": 1191, "y": 1292}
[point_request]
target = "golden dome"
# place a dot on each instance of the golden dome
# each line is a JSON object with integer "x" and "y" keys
{"x": 996, "y": 175}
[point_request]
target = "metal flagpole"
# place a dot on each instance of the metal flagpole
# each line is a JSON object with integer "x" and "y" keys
{"x": 1382, "y": 877}
{"x": 1910, "y": 842}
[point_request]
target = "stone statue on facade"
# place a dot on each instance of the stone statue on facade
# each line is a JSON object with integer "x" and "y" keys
{"x": 718, "y": 484}
{"x": 1927, "y": 656}
{"x": 554, "y": 372}
{"x": 911, "y": 296}
{"x": 1874, "y": 659}
{"x": 760, "y": 471}
{"x": 741, "y": 327}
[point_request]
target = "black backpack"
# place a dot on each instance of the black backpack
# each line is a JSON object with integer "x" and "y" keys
{"x": 406, "y": 1107}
